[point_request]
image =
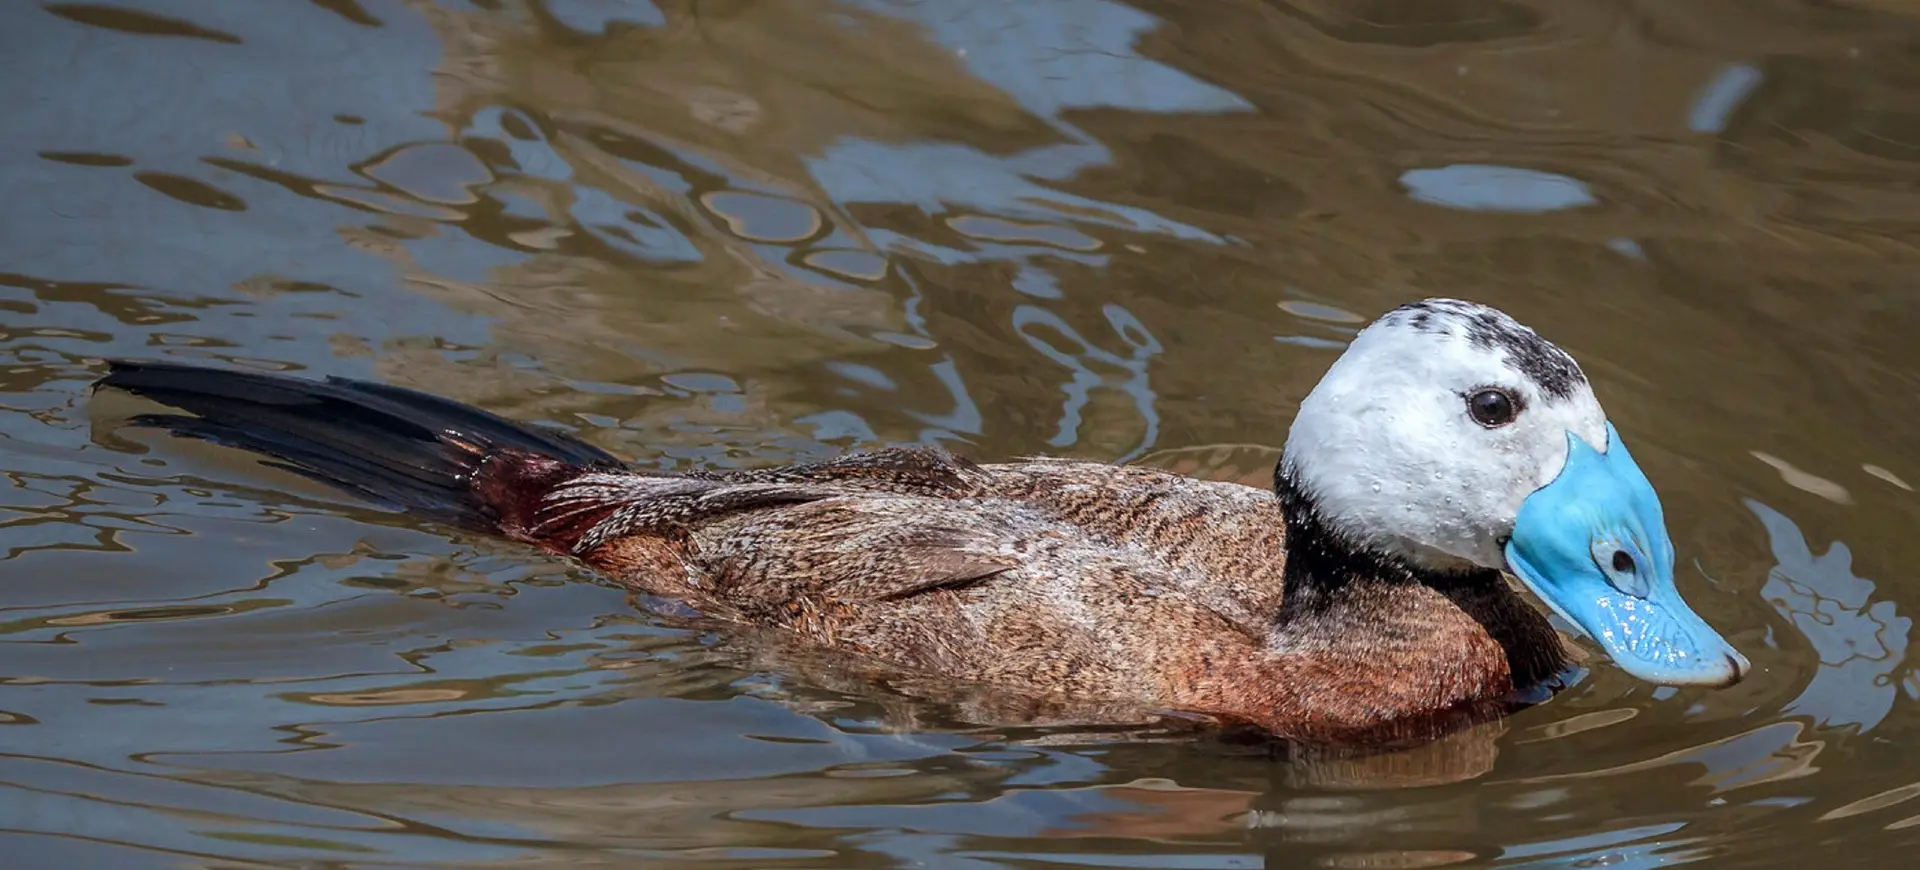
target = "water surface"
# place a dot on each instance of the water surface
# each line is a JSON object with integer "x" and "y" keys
{"x": 727, "y": 234}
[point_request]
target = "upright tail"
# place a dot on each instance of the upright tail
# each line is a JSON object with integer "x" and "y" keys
{"x": 401, "y": 449}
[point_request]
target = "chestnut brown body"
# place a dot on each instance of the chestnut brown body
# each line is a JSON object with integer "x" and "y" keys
{"x": 1075, "y": 581}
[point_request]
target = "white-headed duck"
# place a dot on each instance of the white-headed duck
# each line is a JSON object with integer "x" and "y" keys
{"x": 1447, "y": 446}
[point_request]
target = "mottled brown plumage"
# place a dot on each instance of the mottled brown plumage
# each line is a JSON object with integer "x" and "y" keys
{"x": 1076, "y": 579}
{"x": 1079, "y": 582}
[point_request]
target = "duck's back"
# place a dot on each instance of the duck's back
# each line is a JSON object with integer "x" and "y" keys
{"x": 1047, "y": 576}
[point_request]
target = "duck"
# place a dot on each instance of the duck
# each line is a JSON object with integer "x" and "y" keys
{"x": 1449, "y": 461}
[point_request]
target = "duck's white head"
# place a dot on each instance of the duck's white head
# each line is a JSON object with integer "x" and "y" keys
{"x": 1450, "y": 437}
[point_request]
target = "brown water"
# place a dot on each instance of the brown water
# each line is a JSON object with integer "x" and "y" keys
{"x": 732, "y": 233}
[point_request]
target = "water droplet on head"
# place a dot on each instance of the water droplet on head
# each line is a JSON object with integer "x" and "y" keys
{"x": 1376, "y": 486}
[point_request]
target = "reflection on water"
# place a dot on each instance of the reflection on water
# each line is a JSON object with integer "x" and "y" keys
{"x": 732, "y": 234}
{"x": 1496, "y": 188}
{"x": 1032, "y": 322}
{"x": 1861, "y": 643}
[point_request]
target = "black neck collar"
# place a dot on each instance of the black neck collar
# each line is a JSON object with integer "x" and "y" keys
{"x": 1323, "y": 561}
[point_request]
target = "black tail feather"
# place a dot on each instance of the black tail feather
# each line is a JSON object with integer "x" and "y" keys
{"x": 402, "y": 449}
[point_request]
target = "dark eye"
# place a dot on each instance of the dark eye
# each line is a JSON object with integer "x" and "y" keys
{"x": 1491, "y": 408}
{"x": 1622, "y": 562}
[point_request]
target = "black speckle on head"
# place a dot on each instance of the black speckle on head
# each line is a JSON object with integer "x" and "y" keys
{"x": 1488, "y": 328}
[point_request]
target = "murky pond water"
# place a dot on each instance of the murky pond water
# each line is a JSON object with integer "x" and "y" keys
{"x": 737, "y": 233}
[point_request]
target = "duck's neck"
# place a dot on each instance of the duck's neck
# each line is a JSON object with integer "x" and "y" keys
{"x": 1432, "y": 637}
{"x": 1323, "y": 563}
